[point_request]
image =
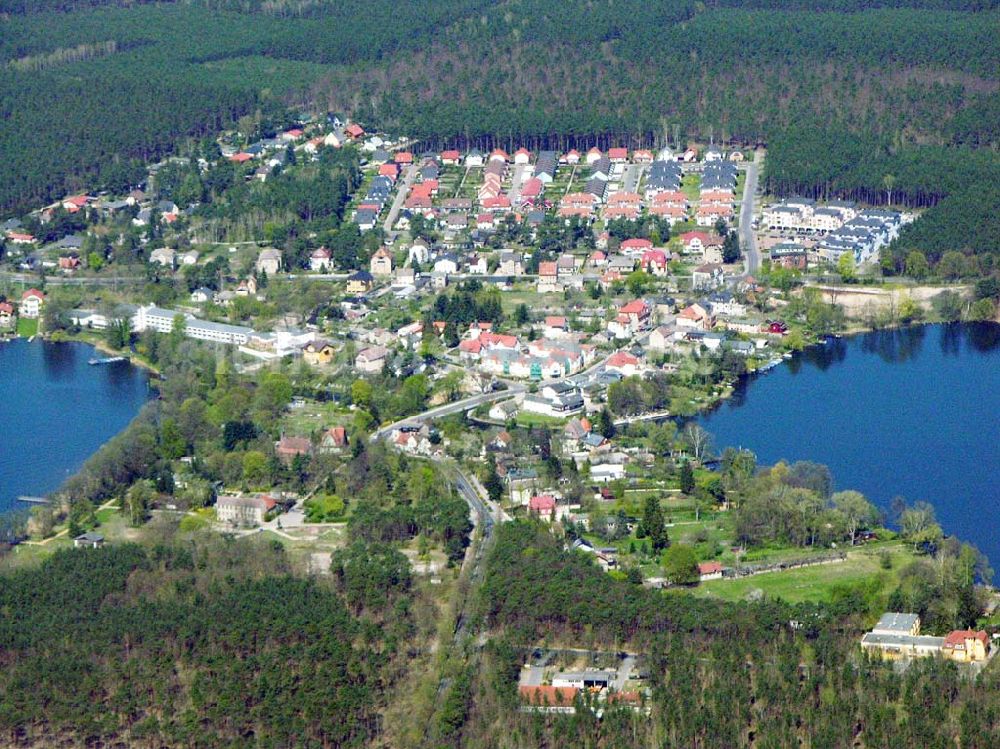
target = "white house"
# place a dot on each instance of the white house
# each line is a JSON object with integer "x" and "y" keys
{"x": 31, "y": 303}
{"x": 269, "y": 261}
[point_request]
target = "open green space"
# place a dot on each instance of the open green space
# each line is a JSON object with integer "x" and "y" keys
{"x": 27, "y": 327}
{"x": 816, "y": 583}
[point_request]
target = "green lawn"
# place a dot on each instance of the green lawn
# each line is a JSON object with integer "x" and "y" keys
{"x": 691, "y": 186}
{"x": 814, "y": 583}
{"x": 528, "y": 419}
{"x": 315, "y": 416}
{"x": 27, "y": 327}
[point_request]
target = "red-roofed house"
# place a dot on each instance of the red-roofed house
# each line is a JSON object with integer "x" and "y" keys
{"x": 548, "y": 274}
{"x": 696, "y": 241}
{"x": 389, "y": 170}
{"x": 623, "y": 362}
{"x": 75, "y": 203}
{"x": 241, "y": 157}
{"x": 498, "y": 154}
{"x": 966, "y": 646}
{"x": 543, "y": 505}
{"x": 618, "y": 155}
{"x": 695, "y": 317}
{"x": 354, "y": 130}
{"x": 288, "y": 448}
{"x": 638, "y": 314}
{"x": 655, "y": 262}
{"x": 497, "y": 204}
{"x": 403, "y": 157}
{"x": 31, "y": 303}
{"x": 642, "y": 156}
{"x": 572, "y": 157}
{"x": 709, "y": 571}
{"x": 6, "y": 314}
{"x": 294, "y": 134}
{"x": 17, "y": 237}
{"x": 522, "y": 156}
{"x": 549, "y": 699}
{"x": 334, "y": 438}
{"x": 635, "y": 246}
{"x": 594, "y": 154}
{"x": 451, "y": 157}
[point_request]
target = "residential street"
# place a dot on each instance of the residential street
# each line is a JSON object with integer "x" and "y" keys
{"x": 409, "y": 175}
{"x": 747, "y": 241}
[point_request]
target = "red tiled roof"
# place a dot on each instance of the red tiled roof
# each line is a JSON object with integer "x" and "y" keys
{"x": 548, "y": 268}
{"x": 635, "y": 307}
{"x": 636, "y": 244}
{"x": 552, "y": 696}
{"x": 617, "y": 153}
{"x": 709, "y": 568}
{"x": 622, "y": 359}
{"x": 354, "y": 130}
{"x": 403, "y": 157}
{"x": 240, "y": 157}
{"x": 542, "y": 503}
{"x": 32, "y": 293}
{"x": 959, "y": 636}
{"x": 472, "y": 346}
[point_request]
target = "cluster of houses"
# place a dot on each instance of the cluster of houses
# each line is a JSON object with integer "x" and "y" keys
{"x": 30, "y": 307}
{"x": 897, "y": 636}
{"x": 832, "y": 229}
{"x": 861, "y": 237}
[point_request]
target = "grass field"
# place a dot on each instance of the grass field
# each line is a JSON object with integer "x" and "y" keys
{"x": 691, "y": 187}
{"x": 814, "y": 583}
{"x": 27, "y": 327}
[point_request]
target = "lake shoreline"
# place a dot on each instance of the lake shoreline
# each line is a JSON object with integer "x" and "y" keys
{"x": 907, "y": 410}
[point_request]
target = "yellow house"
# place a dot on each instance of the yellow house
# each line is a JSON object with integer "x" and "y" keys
{"x": 318, "y": 352}
{"x": 966, "y": 646}
{"x": 381, "y": 263}
{"x": 360, "y": 282}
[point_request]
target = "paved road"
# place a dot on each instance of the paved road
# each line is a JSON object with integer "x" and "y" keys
{"x": 33, "y": 279}
{"x": 409, "y": 175}
{"x": 452, "y": 408}
{"x": 747, "y": 240}
{"x": 515, "y": 183}
{"x": 623, "y": 673}
{"x": 633, "y": 173}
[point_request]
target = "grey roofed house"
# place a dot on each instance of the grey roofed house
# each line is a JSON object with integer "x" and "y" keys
{"x": 535, "y": 218}
{"x": 11, "y": 224}
{"x": 596, "y": 187}
{"x": 430, "y": 171}
{"x": 90, "y": 539}
{"x": 365, "y": 218}
{"x": 902, "y": 641}
{"x": 602, "y": 167}
{"x": 741, "y": 347}
{"x": 381, "y": 156}
{"x": 72, "y": 242}
{"x": 893, "y": 621}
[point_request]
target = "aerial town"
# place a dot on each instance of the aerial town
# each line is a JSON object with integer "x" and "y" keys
{"x": 536, "y": 316}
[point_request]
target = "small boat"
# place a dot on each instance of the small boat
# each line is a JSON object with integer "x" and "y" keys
{"x": 106, "y": 360}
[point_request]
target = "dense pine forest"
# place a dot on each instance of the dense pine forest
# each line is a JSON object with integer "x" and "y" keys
{"x": 867, "y": 89}
{"x": 206, "y": 645}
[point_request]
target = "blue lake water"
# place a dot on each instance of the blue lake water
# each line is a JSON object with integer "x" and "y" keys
{"x": 913, "y": 412}
{"x": 56, "y": 411}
